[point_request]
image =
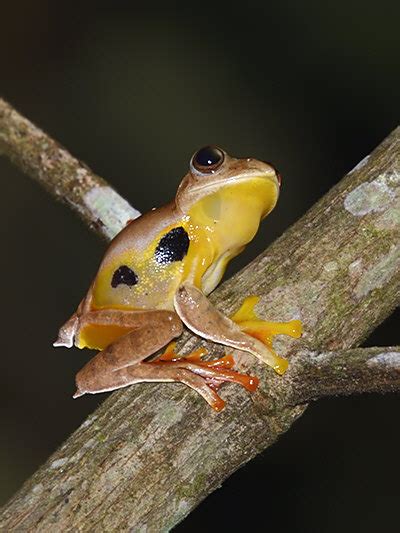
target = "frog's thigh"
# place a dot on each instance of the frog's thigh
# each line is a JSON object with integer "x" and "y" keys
{"x": 198, "y": 314}
{"x": 147, "y": 336}
{"x": 115, "y": 317}
{"x": 131, "y": 319}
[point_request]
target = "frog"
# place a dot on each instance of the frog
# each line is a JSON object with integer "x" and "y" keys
{"x": 157, "y": 274}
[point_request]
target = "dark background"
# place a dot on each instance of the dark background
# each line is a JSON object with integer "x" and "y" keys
{"x": 312, "y": 87}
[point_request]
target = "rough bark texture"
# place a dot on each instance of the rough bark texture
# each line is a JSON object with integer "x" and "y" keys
{"x": 151, "y": 453}
{"x": 66, "y": 178}
{"x": 314, "y": 375}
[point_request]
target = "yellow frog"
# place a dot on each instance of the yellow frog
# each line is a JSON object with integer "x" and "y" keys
{"x": 157, "y": 273}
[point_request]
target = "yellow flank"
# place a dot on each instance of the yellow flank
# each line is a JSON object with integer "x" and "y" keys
{"x": 156, "y": 282}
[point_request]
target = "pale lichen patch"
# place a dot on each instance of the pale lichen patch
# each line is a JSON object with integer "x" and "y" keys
{"x": 390, "y": 359}
{"x": 379, "y": 274}
{"x": 88, "y": 421}
{"x": 169, "y": 415}
{"x": 331, "y": 266}
{"x": 330, "y": 270}
{"x": 371, "y": 197}
{"x": 320, "y": 356}
{"x": 90, "y": 443}
{"x": 82, "y": 173}
{"x": 110, "y": 208}
{"x": 393, "y": 178}
{"x": 38, "y": 488}
{"x": 182, "y": 508}
{"x": 355, "y": 268}
{"x": 58, "y": 463}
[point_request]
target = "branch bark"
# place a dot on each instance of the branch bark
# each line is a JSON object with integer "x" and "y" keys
{"x": 151, "y": 453}
{"x": 316, "y": 374}
{"x": 62, "y": 175}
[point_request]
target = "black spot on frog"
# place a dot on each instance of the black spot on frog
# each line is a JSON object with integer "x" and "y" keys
{"x": 173, "y": 246}
{"x": 124, "y": 276}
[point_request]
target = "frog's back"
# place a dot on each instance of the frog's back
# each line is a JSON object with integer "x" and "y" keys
{"x": 143, "y": 265}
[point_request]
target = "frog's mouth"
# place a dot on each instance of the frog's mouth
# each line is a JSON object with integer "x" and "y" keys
{"x": 195, "y": 187}
{"x": 218, "y": 184}
{"x": 243, "y": 198}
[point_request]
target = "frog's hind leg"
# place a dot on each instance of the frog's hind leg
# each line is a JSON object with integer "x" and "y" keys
{"x": 148, "y": 333}
{"x": 121, "y": 364}
{"x": 214, "y": 372}
{"x": 202, "y": 379}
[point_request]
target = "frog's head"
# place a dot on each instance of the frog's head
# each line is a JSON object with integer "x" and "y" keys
{"x": 213, "y": 171}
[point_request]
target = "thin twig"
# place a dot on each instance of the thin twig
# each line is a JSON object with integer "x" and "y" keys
{"x": 66, "y": 178}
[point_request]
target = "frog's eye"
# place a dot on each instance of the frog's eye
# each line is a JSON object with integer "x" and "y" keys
{"x": 208, "y": 159}
{"x": 124, "y": 276}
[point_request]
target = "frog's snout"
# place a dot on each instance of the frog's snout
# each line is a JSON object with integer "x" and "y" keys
{"x": 278, "y": 175}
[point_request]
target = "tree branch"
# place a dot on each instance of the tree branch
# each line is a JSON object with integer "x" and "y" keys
{"x": 67, "y": 179}
{"x": 151, "y": 453}
{"x": 314, "y": 374}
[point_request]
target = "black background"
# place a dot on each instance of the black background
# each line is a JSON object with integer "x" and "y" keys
{"x": 133, "y": 91}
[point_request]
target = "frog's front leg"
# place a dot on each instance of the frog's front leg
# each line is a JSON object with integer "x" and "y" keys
{"x": 200, "y": 316}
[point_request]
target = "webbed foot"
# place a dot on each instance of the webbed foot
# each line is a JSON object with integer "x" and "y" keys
{"x": 213, "y": 373}
{"x": 263, "y": 330}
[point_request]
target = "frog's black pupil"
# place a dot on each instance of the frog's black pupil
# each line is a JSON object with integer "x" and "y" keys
{"x": 208, "y": 156}
{"x": 124, "y": 276}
